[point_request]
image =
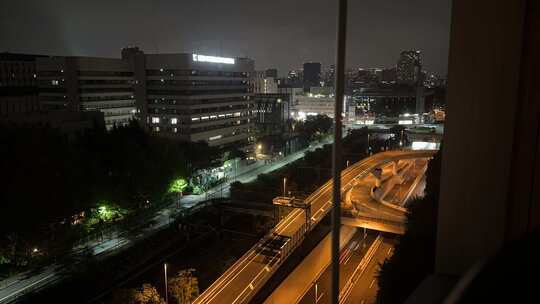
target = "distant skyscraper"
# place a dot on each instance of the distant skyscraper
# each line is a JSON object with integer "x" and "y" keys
{"x": 329, "y": 76}
{"x": 271, "y": 73}
{"x": 312, "y": 74}
{"x": 409, "y": 67}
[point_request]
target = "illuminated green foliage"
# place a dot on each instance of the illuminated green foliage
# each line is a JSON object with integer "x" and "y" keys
{"x": 178, "y": 185}
{"x": 105, "y": 212}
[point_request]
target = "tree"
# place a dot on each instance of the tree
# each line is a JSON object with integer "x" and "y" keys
{"x": 178, "y": 185}
{"x": 235, "y": 153}
{"x": 314, "y": 127}
{"x": 147, "y": 294}
{"x": 184, "y": 287}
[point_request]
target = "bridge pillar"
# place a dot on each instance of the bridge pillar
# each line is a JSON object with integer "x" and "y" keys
{"x": 394, "y": 168}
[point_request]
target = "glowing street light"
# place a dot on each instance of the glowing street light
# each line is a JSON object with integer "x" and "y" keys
{"x": 284, "y": 186}
{"x": 165, "y": 272}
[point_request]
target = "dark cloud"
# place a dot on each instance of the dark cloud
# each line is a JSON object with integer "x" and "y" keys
{"x": 279, "y": 33}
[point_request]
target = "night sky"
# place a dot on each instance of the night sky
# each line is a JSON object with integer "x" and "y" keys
{"x": 276, "y": 33}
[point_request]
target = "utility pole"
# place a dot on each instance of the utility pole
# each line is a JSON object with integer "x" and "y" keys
{"x": 336, "y": 161}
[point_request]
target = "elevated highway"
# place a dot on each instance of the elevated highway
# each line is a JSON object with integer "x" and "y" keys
{"x": 245, "y": 277}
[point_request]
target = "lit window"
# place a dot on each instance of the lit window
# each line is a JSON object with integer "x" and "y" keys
{"x": 204, "y": 117}
{"x": 237, "y": 114}
{"x": 54, "y": 82}
{"x": 175, "y": 130}
{"x": 195, "y": 119}
{"x": 161, "y": 70}
{"x": 155, "y": 120}
{"x": 213, "y": 116}
{"x": 174, "y": 121}
{"x": 214, "y": 137}
{"x": 156, "y": 129}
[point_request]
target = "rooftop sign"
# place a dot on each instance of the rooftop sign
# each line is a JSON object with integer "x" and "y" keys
{"x": 214, "y": 59}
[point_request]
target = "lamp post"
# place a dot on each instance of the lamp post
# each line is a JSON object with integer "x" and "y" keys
{"x": 165, "y": 272}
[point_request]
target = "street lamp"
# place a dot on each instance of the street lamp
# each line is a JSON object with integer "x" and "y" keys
{"x": 166, "y": 295}
{"x": 317, "y": 297}
{"x": 284, "y": 186}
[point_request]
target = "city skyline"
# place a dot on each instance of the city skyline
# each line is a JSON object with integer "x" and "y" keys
{"x": 242, "y": 29}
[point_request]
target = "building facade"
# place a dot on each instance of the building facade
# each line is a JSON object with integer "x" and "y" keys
{"x": 262, "y": 84}
{"x": 389, "y": 75}
{"x": 194, "y": 97}
{"x": 271, "y": 113}
{"x": 392, "y": 100}
{"x": 271, "y": 73}
{"x": 87, "y": 84}
{"x": 18, "y": 84}
{"x": 311, "y": 106}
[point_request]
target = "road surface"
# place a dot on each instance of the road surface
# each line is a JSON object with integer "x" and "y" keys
{"x": 302, "y": 278}
{"x": 350, "y": 256}
{"x": 364, "y": 291}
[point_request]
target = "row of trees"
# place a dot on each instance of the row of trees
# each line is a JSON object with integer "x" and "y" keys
{"x": 182, "y": 289}
{"x": 51, "y": 181}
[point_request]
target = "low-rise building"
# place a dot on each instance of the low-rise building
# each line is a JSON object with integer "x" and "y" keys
{"x": 310, "y": 106}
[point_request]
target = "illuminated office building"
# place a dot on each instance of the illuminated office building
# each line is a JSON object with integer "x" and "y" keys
{"x": 194, "y": 97}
